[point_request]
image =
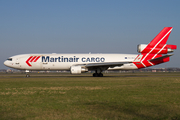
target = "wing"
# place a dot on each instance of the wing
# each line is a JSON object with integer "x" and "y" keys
{"x": 105, "y": 65}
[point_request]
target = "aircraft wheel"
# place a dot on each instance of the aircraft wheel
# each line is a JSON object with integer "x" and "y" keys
{"x": 95, "y": 75}
{"x": 100, "y": 75}
{"x": 27, "y": 75}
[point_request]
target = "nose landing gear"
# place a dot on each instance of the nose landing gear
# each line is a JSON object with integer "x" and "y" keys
{"x": 27, "y": 75}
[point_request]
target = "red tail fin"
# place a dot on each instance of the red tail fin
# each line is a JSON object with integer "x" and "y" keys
{"x": 155, "y": 49}
{"x": 162, "y": 37}
{"x": 159, "y": 42}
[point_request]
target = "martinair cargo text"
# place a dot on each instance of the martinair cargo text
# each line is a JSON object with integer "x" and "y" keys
{"x": 151, "y": 54}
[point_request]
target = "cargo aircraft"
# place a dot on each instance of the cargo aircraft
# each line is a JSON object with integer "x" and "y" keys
{"x": 156, "y": 52}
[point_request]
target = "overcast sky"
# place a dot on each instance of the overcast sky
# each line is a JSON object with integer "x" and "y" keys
{"x": 83, "y": 26}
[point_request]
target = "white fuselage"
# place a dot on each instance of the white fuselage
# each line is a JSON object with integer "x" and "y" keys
{"x": 154, "y": 53}
{"x": 65, "y": 61}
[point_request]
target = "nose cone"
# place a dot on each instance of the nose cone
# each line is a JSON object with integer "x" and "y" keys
{"x": 6, "y": 63}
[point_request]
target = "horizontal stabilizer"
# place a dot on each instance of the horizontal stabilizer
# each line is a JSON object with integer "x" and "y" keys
{"x": 160, "y": 58}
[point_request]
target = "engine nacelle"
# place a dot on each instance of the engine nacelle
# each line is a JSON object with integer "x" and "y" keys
{"x": 173, "y": 47}
{"x": 77, "y": 69}
{"x": 142, "y": 48}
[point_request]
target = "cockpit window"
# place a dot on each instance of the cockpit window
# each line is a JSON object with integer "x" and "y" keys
{"x": 10, "y": 59}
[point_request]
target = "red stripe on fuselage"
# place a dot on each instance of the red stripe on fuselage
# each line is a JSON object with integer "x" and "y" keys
{"x": 27, "y": 61}
{"x": 32, "y": 58}
{"x": 37, "y": 58}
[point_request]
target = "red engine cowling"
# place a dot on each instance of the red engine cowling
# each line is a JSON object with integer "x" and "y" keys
{"x": 172, "y": 46}
{"x": 143, "y": 48}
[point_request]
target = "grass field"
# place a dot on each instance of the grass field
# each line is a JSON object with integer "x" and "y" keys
{"x": 138, "y": 96}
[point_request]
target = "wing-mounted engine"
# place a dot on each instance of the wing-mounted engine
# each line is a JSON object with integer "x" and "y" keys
{"x": 160, "y": 49}
{"x": 78, "y": 69}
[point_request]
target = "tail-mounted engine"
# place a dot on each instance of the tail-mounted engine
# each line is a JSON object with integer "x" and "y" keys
{"x": 161, "y": 49}
{"x": 78, "y": 69}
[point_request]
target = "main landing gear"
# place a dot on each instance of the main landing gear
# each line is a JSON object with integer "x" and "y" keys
{"x": 98, "y": 73}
